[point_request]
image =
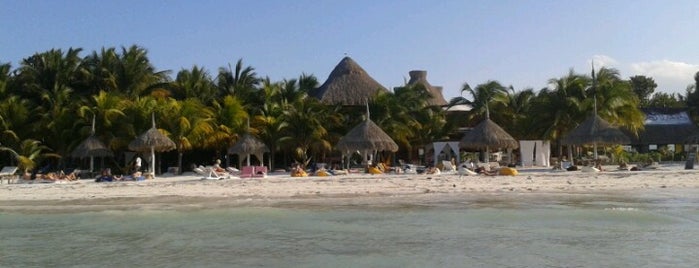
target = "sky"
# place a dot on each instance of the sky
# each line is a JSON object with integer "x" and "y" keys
{"x": 522, "y": 43}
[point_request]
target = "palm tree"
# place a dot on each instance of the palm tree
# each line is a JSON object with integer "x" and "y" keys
{"x": 407, "y": 117}
{"x": 48, "y": 79}
{"x": 194, "y": 83}
{"x": 307, "y": 120}
{"x": 107, "y": 109}
{"x": 480, "y": 98}
{"x": 271, "y": 128}
{"x": 560, "y": 108}
{"x": 135, "y": 75}
{"x": 615, "y": 100}
{"x": 189, "y": 123}
{"x": 230, "y": 119}
{"x": 29, "y": 153}
{"x": 241, "y": 82}
{"x": 513, "y": 111}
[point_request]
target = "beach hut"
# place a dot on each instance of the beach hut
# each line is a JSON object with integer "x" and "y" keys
{"x": 348, "y": 84}
{"x": 152, "y": 141}
{"x": 488, "y": 135}
{"x": 246, "y": 146}
{"x": 366, "y": 137}
{"x": 91, "y": 147}
{"x": 595, "y": 130}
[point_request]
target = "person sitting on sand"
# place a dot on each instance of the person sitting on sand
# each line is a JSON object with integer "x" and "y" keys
{"x": 297, "y": 171}
{"x": 484, "y": 171}
{"x": 431, "y": 170}
{"x": 598, "y": 165}
{"x": 623, "y": 166}
{"x": 105, "y": 176}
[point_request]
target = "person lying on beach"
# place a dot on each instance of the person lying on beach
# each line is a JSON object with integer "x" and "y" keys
{"x": 105, "y": 176}
{"x": 484, "y": 171}
{"x": 136, "y": 176}
{"x": 623, "y": 166}
{"x": 433, "y": 171}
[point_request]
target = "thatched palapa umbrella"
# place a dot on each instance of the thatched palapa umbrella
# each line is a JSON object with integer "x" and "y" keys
{"x": 595, "y": 130}
{"x": 248, "y": 145}
{"x": 487, "y": 134}
{"x": 348, "y": 84}
{"x": 91, "y": 147}
{"x": 367, "y": 136}
{"x": 153, "y": 141}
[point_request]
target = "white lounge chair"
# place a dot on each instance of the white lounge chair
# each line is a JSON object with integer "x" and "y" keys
{"x": 448, "y": 168}
{"x": 208, "y": 173}
{"x": 8, "y": 173}
{"x": 465, "y": 171}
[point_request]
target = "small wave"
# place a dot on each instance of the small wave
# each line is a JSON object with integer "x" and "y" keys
{"x": 622, "y": 209}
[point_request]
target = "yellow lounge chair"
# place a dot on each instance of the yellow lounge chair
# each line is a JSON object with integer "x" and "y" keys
{"x": 507, "y": 171}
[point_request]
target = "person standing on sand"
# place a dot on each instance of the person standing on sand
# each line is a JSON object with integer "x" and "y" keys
{"x": 137, "y": 164}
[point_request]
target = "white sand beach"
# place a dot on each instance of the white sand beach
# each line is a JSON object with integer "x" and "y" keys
{"x": 191, "y": 190}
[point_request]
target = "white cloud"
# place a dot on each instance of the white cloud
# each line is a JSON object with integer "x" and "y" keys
{"x": 671, "y": 76}
{"x": 603, "y": 61}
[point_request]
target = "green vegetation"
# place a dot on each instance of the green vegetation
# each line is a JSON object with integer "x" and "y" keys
{"x": 48, "y": 102}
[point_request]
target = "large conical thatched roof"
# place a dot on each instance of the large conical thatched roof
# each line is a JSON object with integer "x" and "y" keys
{"x": 91, "y": 147}
{"x": 595, "y": 130}
{"x": 348, "y": 84}
{"x": 367, "y": 136}
{"x": 152, "y": 138}
{"x": 487, "y": 135}
{"x": 248, "y": 145}
{"x": 420, "y": 77}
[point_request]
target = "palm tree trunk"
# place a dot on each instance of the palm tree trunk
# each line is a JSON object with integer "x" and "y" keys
{"x": 179, "y": 162}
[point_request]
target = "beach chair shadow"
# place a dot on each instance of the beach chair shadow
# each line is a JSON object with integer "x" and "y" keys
{"x": 8, "y": 173}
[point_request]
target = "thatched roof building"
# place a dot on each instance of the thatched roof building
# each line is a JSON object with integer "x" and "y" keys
{"x": 366, "y": 136}
{"x": 488, "y": 135}
{"x": 664, "y": 126}
{"x": 348, "y": 84}
{"x": 595, "y": 130}
{"x": 91, "y": 147}
{"x": 420, "y": 77}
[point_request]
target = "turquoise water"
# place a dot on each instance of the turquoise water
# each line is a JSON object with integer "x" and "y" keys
{"x": 513, "y": 232}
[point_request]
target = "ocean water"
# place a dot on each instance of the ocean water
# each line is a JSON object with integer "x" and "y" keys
{"x": 559, "y": 231}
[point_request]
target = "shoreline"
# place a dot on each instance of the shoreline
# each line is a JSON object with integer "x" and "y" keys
{"x": 191, "y": 192}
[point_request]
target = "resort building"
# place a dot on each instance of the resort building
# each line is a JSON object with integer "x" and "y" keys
{"x": 666, "y": 128}
{"x": 420, "y": 77}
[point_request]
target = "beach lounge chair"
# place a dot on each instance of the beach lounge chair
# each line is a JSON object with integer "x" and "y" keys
{"x": 247, "y": 172}
{"x": 448, "y": 168}
{"x": 259, "y": 172}
{"x": 409, "y": 169}
{"x": 465, "y": 171}
{"x": 207, "y": 173}
{"x": 8, "y": 173}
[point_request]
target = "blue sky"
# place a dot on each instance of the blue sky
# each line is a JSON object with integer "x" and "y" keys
{"x": 519, "y": 43}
